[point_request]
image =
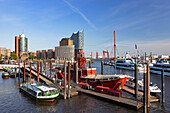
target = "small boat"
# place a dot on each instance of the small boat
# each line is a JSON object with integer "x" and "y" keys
{"x": 131, "y": 83}
{"x": 5, "y": 75}
{"x": 162, "y": 61}
{"x": 39, "y": 92}
{"x": 129, "y": 64}
{"x": 11, "y": 73}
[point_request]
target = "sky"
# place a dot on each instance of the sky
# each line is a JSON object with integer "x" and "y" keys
{"x": 45, "y": 22}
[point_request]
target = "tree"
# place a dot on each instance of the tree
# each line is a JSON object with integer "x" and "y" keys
{"x": 31, "y": 57}
{"x": 6, "y": 57}
{"x": 13, "y": 56}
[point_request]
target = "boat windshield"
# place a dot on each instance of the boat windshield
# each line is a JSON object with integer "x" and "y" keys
{"x": 47, "y": 93}
{"x": 139, "y": 65}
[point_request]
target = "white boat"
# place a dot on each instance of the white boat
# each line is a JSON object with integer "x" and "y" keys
{"x": 162, "y": 62}
{"x": 131, "y": 83}
{"x": 129, "y": 64}
{"x": 39, "y": 92}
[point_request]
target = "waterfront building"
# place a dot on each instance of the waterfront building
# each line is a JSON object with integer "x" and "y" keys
{"x": 66, "y": 42}
{"x": 44, "y": 54}
{"x": 64, "y": 53}
{"x": 32, "y": 53}
{"x": 78, "y": 40}
{"x": 50, "y": 53}
{"x": 21, "y": 46}
{"x": 4, "y": 52}
{"x": 154, "y": 56}
{"x": 17, "y": 45}
{"x": 38, "y": 54}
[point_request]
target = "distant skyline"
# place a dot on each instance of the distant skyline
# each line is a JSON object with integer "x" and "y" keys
{"x": 45, "y": 23}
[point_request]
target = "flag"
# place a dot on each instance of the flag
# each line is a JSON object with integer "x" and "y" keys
{"x": 136, "y": 46}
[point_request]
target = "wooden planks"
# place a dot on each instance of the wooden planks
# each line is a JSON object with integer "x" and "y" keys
{"x": 123, "y": 101}
{"x": 48, "y": 82}
{"x": 132, "y": 91}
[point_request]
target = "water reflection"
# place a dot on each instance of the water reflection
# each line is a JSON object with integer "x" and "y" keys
{"x": 12, "y": 100}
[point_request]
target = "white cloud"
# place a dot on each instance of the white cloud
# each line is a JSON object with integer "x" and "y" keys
{"x": 80, "y": 13}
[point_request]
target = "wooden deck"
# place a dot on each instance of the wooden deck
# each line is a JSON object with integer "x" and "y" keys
{"x": 132, "y": 91}
{"x": 47, "y": 82}
{"x": 123, "y": 101}
{"x": 73, "y": 92}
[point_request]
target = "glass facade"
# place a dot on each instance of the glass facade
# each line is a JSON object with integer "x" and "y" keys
{"x": 23, "y": 41}
{"x": 78, "y": 39}
{"x": 3, "y": 52}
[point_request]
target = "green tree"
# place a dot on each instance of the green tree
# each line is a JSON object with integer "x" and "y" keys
{"x": 6, "y": 57}
{"x": 13, "y": 56}
{"x": 31, "y": 57}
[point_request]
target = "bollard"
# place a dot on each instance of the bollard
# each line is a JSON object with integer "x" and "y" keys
{"x": 15, "y": 72}
{"x": 24, "y": 73}
{"x": 41, "y": 67}
{"x": 136, "y": 81}
{"x": 50, "y": 69}
{"x": 115, "y": 50}
{"x": 145, "y": 57}
{"x": 144, "y": 95}
{"x": 163, "y": 87}
{"x": 38, "y": 71}
{"x": 69, "y": 79}
{"x": 150, "y": 57}
{"x": 30, "y": 70}
{"x": 89, "y": 64}
{"x": 102, "y": 67}
{"x": 45, "y": 67}
{"x": 148, "y": 84}
{"x": 64, "y": 80}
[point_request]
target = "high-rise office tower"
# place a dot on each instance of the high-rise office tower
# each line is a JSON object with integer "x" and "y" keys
{"x": 78, "y": 40}
{"x": 17, "y": 45}
{"x": 21, "y": 44}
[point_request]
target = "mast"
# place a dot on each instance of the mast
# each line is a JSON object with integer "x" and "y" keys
{"x": 115, "y": 51}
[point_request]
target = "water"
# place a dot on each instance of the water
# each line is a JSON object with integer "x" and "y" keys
{"x": 12, "y": 100}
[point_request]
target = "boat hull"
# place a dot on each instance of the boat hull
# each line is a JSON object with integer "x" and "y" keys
{"x": 38, "y": 99}
{"x": 116, "y": 84}
{"x": 5, "y": 77}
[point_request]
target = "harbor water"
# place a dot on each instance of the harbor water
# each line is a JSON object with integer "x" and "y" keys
{"x": 13, "y": 101}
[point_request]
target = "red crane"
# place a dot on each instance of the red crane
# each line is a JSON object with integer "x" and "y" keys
{"x": 106, "y": 53}
{"x": 97, "y": 55}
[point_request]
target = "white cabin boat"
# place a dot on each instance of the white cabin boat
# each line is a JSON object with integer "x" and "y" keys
{"x": 131, "y": 83}
{"x": 39, "y": 92}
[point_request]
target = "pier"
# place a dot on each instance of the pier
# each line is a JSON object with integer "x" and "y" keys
{"x": 131, "y": 102}
{"x": 123, "y": 101}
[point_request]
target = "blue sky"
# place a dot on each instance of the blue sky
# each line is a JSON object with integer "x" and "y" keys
{"x": 142, "y": 22}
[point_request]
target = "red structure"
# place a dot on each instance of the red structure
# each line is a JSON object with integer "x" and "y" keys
{"x": 97, "y": 55}
{"x": 17, "y": 45}
{"x": 91, "y": 55}
{"x": 115, "y": 51}
{"x": 104, "y": 54}
{"x": 81, "y": 59}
